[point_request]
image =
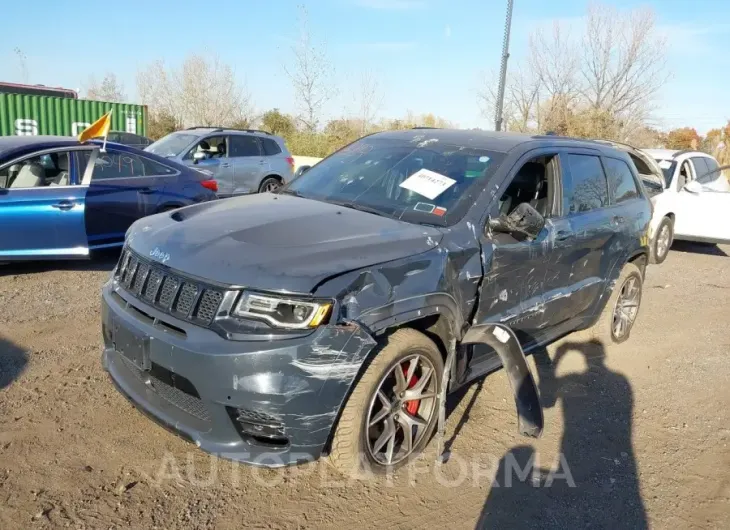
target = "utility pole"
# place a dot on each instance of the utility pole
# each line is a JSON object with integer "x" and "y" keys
{"x": 503, "y": 70}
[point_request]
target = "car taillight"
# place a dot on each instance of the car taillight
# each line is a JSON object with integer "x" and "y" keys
{"x": 210, "y": 184}
{"x": 290, "y": 160}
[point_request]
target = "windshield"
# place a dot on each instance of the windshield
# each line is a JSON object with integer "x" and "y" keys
{"x": 416, "y": 182}
{"x": 667, "y": 167}
{"x": 171, "y": 145}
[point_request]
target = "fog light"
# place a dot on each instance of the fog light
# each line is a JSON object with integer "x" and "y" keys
{"x": 260, "y": 426}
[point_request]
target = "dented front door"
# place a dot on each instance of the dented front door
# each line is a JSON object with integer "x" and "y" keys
{"x": 514, "y": 283}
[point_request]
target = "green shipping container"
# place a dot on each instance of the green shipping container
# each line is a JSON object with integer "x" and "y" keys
{"x": 24, "y": 115}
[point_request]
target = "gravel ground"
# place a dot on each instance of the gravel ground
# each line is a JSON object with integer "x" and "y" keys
{"x": 642, "y": 429}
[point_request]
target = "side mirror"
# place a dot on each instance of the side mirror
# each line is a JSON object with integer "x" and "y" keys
{"x": 693, "y": 187}
{"x": 198, "y": 156}
{"x": 522, "y": 221}
{"x": 301, "y": 170}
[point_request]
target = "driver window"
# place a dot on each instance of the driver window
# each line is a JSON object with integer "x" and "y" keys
{"x": 685, "y": 175}
{"x": 534, "y": 184}
{"x": 212, "y": 147}
{"x": 51, "y": 169}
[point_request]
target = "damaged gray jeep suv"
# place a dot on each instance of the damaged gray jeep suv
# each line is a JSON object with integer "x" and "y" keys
{"x": 333, "y": 317}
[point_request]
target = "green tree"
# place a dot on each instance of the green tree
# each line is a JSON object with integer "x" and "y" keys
{"x": 161, "y": 124}
{"x": 276, "y": 122}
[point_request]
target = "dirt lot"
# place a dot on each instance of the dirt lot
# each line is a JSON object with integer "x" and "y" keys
{"x": 642, "y": 428}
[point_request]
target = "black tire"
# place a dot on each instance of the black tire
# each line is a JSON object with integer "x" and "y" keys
{"x": 349, "y": 453}
{"x": 658, "y": 250}
{"x": 603, "y": 330}
{"x": 269, "y": 184}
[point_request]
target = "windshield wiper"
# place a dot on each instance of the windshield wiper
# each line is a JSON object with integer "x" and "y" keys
{"x": 361, "y": 208}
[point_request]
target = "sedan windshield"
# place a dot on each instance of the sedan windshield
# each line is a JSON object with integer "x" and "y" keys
{"x": 171, "y": 145}
{"x": 422, "y": 181}
{"x": 668, "y": 167}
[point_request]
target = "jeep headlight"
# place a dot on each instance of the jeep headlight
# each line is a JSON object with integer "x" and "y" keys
{"x": 283, "y": 311}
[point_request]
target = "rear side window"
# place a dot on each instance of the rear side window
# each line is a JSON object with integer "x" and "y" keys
{"x": 713, "y": 172}
{"x": 240, "y": 145}
{"x": 115, "y": 165}
{"x": 588, "y": 190}
{"x": 155, "y": 168}
{"x": 620, "y": 180}
{"x": 270, "y": 147}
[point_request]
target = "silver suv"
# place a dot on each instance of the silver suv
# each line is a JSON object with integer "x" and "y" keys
{"x": 241, "y": 161}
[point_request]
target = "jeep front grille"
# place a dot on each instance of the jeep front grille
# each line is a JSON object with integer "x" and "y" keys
{"x": 172, "y": 293}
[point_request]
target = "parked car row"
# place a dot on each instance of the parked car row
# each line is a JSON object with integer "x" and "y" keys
{"x": 379, "y": 279}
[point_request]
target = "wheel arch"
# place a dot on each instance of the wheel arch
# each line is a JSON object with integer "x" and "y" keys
{"x": 435, "y": 322}
{"x": 271, "y": 175}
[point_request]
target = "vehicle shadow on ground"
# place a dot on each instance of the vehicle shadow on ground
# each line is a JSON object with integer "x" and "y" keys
{"x": 690, "y": 247}
{"x": 594, "y": 482}
{"x": 13, "y": 362}
{"x": 100, "y": 261}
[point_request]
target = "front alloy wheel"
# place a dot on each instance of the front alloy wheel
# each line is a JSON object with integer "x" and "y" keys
{"x": 401, "y": 410}
{"x": 393, "y": 409}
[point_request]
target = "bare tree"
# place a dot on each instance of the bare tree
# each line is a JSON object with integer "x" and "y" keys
{"x": 311, "y": 76}
{"x": 204, "y": 91}
{"x": 520, "y": 99}
{"x": 371, "y": 99}
{"x": 600, "y": 84}
{"x": 623, "y": 60}
{"x": 110, "y": 89}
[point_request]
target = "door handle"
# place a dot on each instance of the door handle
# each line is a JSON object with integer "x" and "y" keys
{"x": 262, "y": 162}
{"x": 225, "y": 164}
{"x": 146, "y": 191}
{"x": 618, "y": 220}
{"x": 64, "y": 205}
{"x": 562, "y": 235}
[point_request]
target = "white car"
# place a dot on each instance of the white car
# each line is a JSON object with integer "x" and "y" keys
{"x": 694, "y": 204}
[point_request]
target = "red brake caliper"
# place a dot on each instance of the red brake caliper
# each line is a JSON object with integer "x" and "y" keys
{"x": 412, "y": 405}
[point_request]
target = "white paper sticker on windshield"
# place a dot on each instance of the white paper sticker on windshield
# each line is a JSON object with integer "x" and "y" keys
{"x": 428, "y": 183}
{"x": 665, "y": 164}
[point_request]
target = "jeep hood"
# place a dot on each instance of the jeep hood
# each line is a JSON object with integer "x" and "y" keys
{"x": 274, "y": 242}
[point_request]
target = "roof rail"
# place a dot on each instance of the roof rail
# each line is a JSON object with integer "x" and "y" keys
{"x": 683, "y": 152}
{"x": 218, "y": 128}
{"x": 424, "y": 127}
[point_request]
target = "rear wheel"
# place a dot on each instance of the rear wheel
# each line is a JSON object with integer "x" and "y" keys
{"x": 392, "y": 412}
{"x": 617, "y": 319}
{"x": 663, "y": 240}
{"x": 269, "y": 184}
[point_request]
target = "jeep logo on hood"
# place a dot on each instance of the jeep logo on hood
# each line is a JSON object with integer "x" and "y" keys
{"x": 159, "y": 255}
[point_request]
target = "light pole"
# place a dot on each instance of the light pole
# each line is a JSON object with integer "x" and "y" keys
{"x": 503, "y": 70}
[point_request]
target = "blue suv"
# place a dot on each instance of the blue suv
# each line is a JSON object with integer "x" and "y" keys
{"x": 241, "y": 161}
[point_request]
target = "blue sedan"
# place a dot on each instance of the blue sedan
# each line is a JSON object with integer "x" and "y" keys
{"x": 63, "y": 199}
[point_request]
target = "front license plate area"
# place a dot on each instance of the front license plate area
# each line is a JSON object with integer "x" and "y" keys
{"x": 134, "y": 346}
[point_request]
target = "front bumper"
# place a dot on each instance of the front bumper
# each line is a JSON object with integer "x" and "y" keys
{"x": 192, "y": 381}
